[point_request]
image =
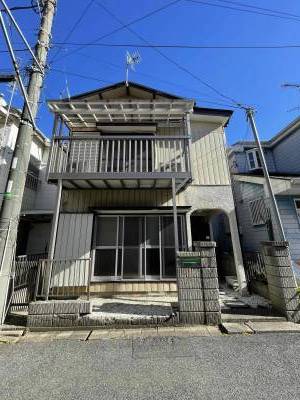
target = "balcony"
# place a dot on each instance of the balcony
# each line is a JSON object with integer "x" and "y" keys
{"x": 120, "y": 143}
{"x": 119, "y": 161}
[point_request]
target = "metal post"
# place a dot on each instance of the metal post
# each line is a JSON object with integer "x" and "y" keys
{"x": 55, "y": 222}
{"x": 30, "y": 113}
{"x": 17, "y": 176}
{"x": 175, "y": 217}
{"x": 21, "y": 34}
{"x": 250, "y": 113}
{"x": 189, "y": 135}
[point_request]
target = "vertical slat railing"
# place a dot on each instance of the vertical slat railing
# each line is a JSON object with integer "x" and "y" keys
{"x": 120, "y": 154}
{"x": 63, "y": 278}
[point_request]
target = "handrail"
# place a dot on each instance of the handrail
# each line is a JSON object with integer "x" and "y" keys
{"x": 121, "y": 137}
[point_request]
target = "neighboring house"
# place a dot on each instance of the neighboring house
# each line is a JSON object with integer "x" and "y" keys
{"x": 39, "y": 197}
{"x": 256, "y": 223}
{"x": 121, "y": 155}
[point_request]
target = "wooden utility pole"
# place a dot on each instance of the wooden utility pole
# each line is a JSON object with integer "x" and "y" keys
{"x": 11, "y": 208}
{"x": 276, "y": 214}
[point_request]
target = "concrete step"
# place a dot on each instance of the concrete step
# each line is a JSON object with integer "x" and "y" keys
{"x": 254, "y": 327}
{"x": 251, "y": 317}
{"x": 233, "y": 328}
{"x": 273, "y": 327}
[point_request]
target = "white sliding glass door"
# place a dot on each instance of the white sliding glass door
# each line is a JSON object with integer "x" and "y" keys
{"x": 136, "y": 247}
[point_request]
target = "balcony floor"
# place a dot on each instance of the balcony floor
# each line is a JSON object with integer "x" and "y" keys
{"x": 158, "y": 183}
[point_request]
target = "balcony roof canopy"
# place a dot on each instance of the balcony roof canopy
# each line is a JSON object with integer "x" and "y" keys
{"x": 78, "y": 113}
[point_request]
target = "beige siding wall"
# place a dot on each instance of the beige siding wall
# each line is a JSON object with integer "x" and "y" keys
{"x": 74, "y": 236}
{"x": 196, "y": 197}
{"x": 73, "y": 242}
{"x": 208, "y": 154}
{"x": 83, "y": 200}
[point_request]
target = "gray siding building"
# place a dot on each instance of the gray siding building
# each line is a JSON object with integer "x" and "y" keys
{"x": 255, "y": 219}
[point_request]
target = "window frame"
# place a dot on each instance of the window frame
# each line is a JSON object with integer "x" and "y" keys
{"x": 256, "y": 159}
{"x": 296, "y": 208}
{"x": 143, "y": 247}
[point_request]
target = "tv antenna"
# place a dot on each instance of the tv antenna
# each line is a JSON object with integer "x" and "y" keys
{"x": 131, "y": 61}
{"x": 291, "y": 85}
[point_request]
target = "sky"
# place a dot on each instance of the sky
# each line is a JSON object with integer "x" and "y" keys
{"x": 247, "y": 76}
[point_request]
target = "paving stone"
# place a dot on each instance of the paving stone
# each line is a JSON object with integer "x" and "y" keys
{"x": 12, "y": 333}
{"x": 107, "y": 334}
{"x": 264, "y": 327}
{"x": 8, "y": 340}
{"x": 233, "y": 328}
{"x": 72, "y": 335}
{"x": 196, "y": 330}
{"x": 150, "y": 331}
{"x": 166, "y": 330}
{"x": 213, "y": 330}
{"x": 248, "y": 317}
{"x": 36, "y": 337}
{"x": 131, "y": 333}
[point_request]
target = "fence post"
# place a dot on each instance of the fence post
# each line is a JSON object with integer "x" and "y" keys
{"x": 48, "y": 275}
{"x": 89, "y": 278}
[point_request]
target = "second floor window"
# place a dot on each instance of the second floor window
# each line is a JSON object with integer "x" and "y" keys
{"x": 253, "y": 159}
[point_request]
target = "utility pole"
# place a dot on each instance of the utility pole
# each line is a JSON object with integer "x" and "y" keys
{"x": 12, "y": 202}
{"x": 250, "y": 116}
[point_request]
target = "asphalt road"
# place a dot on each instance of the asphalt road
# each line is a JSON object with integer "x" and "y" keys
{"x": 256, "y": 367}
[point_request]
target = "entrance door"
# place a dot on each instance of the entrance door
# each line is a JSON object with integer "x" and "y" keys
{"x": 132, "y": 247}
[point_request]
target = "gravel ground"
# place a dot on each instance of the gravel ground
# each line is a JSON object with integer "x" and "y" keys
{"x": 223, "y": 367}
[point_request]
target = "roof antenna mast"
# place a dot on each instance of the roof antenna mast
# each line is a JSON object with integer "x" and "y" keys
{"x": 131, "y": 60}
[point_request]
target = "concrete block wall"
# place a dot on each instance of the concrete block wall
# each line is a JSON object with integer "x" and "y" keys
{"x": 281, "y": 280}
{"x": 57, "y": 313}
{"x": 198, "y": 287}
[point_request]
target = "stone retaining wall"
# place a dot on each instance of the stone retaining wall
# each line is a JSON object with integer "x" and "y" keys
{"x": 198, "y": 287}
{"x": 282, "y": 284}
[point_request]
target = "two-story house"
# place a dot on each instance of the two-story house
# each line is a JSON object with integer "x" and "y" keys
{"x": 252, "y": 203}
{"x": 39, "y": 197}
{"x": 141, "y": 174}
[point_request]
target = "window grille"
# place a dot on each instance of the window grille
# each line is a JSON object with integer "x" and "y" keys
{"x": 259, "y": 212}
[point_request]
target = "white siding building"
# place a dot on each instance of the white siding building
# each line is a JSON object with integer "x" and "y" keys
{"x": 142, "y": 174}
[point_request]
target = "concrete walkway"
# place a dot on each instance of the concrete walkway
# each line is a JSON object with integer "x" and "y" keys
{"x": 231, "y": 328}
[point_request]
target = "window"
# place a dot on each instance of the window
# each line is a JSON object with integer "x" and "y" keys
{"x": 136, "y": 246}
{"x": 297, "y": 206}
{"x": 259, "y": 212}
{"x": 253, "y": 159}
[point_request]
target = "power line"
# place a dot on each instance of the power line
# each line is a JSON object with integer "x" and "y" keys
{"x": 112, "y": 65}
{"x": 181, "y": 46}
{"x": 259, "y": 8}
{"x": 179, "y": 66}
{"x": 80, "y": 75}
{"x": 200, "y": 2}
{"x": 76, "y": 24}
{"x": 157, "y": 10}
{"x": 93, "y": 78}
{"x": 19, "y": 8}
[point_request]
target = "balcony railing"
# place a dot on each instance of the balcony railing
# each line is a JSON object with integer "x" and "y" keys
{"x": 119, "y": 156}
